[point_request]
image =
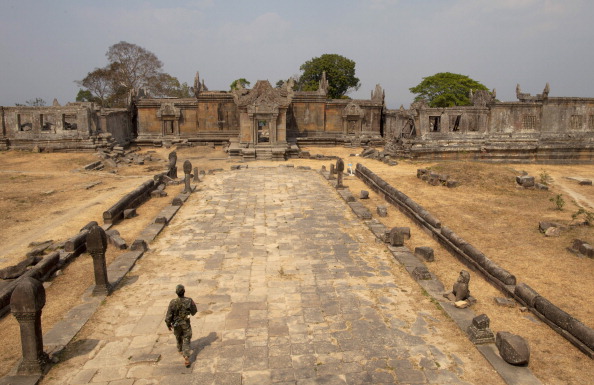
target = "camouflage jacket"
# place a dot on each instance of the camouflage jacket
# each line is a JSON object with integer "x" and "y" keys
{"x": 179, "y": 311}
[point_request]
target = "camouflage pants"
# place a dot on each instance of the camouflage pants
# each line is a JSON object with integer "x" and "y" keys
{"x": 183, "y": 336}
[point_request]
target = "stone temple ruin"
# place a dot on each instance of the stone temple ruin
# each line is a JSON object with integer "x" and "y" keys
{"x": 271, "y": 123}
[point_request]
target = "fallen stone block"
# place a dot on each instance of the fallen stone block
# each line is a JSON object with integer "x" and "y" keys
{"x": 382, "y": 211}
{"x": 139, "y": 244}
{"x": 525, "y": 181}
{"x": 177, "y": 201}
{"x": 585, "y": 182}
{"x": 553, "y": 232}
{"x": 544, "y": 225}
{"x": 114, "y": 239}
{"x": 421, "y": 273}
{"x": 512, "y": 348}
{"x": 161, "y": 219}
{"x": 39, "y": 249}
{"x": 20, "y": 268}
{"x": 541, "y": 186}
{"x": 425, "y": 252}
{"x": 94, "y": 166}
{"x": 130, "y": 213}
{"x": 395, "y": 238}
{"x": 505, "y": 302}
{"x": 452, "y": 184}
{"x": 586, "y": 249}
{"x": 158, "y": 194}
{"x": 364, "y": 194}
{"x": 405, "y": 231}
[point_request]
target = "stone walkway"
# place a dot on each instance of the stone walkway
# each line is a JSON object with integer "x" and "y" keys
{"x": 291, "y": 288}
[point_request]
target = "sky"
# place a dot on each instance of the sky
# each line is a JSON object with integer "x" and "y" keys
{"x": 47, "y": 45}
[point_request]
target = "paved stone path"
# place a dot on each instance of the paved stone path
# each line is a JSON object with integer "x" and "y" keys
{"x": 291, "y": 288}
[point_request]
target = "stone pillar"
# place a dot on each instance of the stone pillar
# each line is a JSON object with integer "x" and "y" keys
{"x": 196, "y": 175}
{"x": 26, "y": 303}
{"x": 187, "y": 172}
{"x": 96, "y": 246}
{"x": 172, "y": 171}
{"x": 339, "y": 172}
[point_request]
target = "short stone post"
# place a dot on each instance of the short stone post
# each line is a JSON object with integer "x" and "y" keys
{"x": 196, "y": 175}
{"x": 26, "y": 303}
{"x": 96, "y": 246}
{"x": 172, "y": 171}
{"x": 187, "y": 172}
{"x": 339, "y": 172}
{"x": 332, "y": 172}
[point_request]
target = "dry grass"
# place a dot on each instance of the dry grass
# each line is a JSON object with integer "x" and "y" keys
{"x": 487, "y": 210}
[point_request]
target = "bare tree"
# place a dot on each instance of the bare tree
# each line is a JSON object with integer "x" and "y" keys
{"x": 135, "y": 65}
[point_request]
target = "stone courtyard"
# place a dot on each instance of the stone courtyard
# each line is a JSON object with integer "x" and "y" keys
{"x": 291, "y": 288}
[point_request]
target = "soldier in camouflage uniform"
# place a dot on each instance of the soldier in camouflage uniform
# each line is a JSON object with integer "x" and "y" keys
{"x": 178, "y": 317}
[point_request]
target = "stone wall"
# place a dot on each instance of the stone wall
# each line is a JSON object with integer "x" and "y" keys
{"x": 74, "y": 127}
{"x": 534, "y": 129}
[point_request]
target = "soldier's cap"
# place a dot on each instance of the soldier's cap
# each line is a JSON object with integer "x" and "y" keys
{"x": 180, "y": 290}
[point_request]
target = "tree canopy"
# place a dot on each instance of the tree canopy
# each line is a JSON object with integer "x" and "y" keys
{"x": 239, "y": 82}
{"x": 130, "y": 67}
{"x": 340, "y": 73}
{"x": 446, "y": 89}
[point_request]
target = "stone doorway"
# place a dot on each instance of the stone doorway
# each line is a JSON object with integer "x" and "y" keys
{"x": 263, "y": 131}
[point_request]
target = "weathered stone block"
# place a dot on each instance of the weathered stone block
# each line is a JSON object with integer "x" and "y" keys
{"x": 129, "y": 213}
{"x": 160, "y": 219}
{"x": 452, "y": 184}
{"x": 364, "y": 194}
{"x": 139, "y": 244}
{"x": 525, "y": 180}
{"x": 505, "y": 302}
{"x": 585, "y": 182}
{"x": 586, "y": 249}
{"x": 176, "y": 201}
{"x": 544, "y": 225}
{"x": 479, "y": 331}
{"x": 553, "y": 232}
{"x": 425, "y": 252}
{"x": 421, "y": 273}
{"x": 513, "y": 348}
{"x": 382, "y": 211}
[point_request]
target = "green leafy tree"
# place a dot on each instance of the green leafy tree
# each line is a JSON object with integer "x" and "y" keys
{"x": 130, "y": 67}
{"x": 86, "y": 96}
{"x": 340, "y": 74}
{"x": 239, "y": 82}
{"x": 446, "y": 89}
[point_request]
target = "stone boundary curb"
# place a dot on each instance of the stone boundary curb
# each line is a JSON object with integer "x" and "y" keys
{"x": 567, "y": 326}
{"x": 512, "y": 375}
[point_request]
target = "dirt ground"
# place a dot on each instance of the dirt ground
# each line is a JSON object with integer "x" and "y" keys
{"x": 46, "y": 196}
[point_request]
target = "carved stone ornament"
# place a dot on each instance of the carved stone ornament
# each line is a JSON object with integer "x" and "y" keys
{"x": 168, "y": 110}
{"x": 353, "y": 110}
{"x": 262, "y": 97}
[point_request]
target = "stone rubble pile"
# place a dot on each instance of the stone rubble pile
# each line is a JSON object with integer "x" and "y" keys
{"x": 435, "y": 179}
{"x": 382, "y": 156}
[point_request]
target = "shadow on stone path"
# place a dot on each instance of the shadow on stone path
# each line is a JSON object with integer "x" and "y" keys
{"x": 291, "y": 288}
